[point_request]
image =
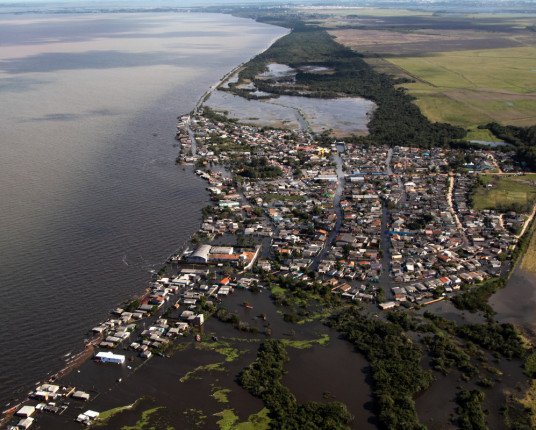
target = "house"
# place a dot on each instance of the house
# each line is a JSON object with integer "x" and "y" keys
{"x": 200, "y": 255}
{"x": 25, "y": 423}
{"x": 387, "y": 305}
{"x": 110, "y": 357}
{"x": 25, "y": 411}
{"x": 80, "y": 395}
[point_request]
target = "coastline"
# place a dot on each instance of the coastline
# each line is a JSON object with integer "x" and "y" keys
{"x": 77, "y": 359}
{"x": 243, "y": 299}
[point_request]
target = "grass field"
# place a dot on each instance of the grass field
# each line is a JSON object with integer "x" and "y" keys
{"x": 481, "y": 134}
{"x": 468, "y": 88}
{"x": 505, "y": 191}
{"x": 529, "y": 259}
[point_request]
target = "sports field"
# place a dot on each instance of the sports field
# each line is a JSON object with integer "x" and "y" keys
{"x": 474, "y": 87}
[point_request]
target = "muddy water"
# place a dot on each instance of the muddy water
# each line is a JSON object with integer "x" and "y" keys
{"x": 516, "y": 302}
{"x": 332, "y": 372}
{"x": 158, "y": 379}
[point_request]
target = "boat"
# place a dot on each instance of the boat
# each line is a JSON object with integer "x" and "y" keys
{"x": 248, "y": 305}
{"x": 11, "y": 410}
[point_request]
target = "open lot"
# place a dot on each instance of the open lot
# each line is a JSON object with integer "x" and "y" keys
{"x": 498, "y": 191}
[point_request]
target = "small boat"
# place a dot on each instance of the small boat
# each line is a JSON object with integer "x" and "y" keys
{"x": 11, "y": 410}
{"x": 248, "y": 305}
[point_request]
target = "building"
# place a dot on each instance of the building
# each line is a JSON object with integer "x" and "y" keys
{"x": 25, "y": 411}
{"x": 110, "y": 357}
{"x": 200, "y": 255}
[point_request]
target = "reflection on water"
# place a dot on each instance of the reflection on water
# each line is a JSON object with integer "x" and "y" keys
{"x": 516, "y": 302}
{"x": 343, "y": 115}
{"x": 91, "y": 198}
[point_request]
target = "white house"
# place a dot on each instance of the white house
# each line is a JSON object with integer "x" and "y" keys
{"x": 110, "y": 357}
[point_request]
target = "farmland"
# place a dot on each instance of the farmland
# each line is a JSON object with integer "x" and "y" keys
{"x": 475, "y": 87}
{"x": 497, "y": 191}
{"x": 466, "y": 70}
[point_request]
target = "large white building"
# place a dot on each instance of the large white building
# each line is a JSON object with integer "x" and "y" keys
{"x": 110, "y": 357}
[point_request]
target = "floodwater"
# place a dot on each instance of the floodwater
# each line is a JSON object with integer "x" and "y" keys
{"x": 335, "y": 372}
{"x": 322, "y": 373}
{"x": 345, "y": 115}
{"x": 91, "y": 199}
{"x": 516, "y": 302}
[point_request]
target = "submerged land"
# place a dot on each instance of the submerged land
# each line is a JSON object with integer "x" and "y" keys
{"x": 370, "y": 266}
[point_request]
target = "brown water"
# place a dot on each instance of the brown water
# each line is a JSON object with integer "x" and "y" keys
{"x": 91, "y": 199}
{"x": 516, "y": 302}
{"x": 336, "y": 368}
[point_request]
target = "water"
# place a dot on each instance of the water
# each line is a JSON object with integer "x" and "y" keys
{"x": 516, "y": 301}
{"x": 90, "y": 197}
{"x": 343, "y": 115}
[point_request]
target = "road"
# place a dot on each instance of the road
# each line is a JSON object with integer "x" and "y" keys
{"x": 338, "y": 211}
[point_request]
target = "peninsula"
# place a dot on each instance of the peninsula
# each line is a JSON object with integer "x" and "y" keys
{"x": 345, "y": 269}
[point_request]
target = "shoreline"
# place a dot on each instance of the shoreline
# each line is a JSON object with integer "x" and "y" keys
{"x": 74, "y": 361}
{"x": 83, "y": 356}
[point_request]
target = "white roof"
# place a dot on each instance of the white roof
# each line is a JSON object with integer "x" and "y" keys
{"x": 107, "y": 354}
{"x": 91, "y": 414}
{"x": 25, "y": 411}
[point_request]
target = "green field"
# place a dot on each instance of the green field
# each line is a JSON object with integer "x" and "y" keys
{"x": 501, "y": 192}
{"x": 468, "y": 88}
{"x": 529, "y": 259}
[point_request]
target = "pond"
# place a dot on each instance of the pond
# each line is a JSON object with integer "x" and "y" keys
{"x": 345, "y": 116}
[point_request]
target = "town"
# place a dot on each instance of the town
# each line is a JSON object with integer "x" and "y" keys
{"x": 385, "y": 226}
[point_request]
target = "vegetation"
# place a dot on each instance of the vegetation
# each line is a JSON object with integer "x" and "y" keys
{"x": 132, "y": 305}
{"x": 225, "y": 316}
{"x": 194, "y": 374}
{"x": 470, "y": 413}
{"x": 263, "y": 379}
{"x": 526, "y": 249}
{"x": 446, "y": 354}
{"x": 106, "y": 416}
{"x": 221, "y": 347}
{"x": 149, "y": 420}
{"x": 529, "y": 402}
{"x": 530, "y": 365}
{"x": 215, "y": 116}
{"x": 304, "y": 344}
{"x": 516, "y": 416}
{"x": 501, "y": 338}
{"x": 517, "y": 193}
{"x": 397, "y": 375}
{"x": 523, "y": 139}
{"x": 469, "y": 87}
{"x": 396, "y": 121}
{"x": 221, "y": 395}
{"x": 259, "y": 168}
{"x": 475, "y": 298}
{"x": 229, "y": 420}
